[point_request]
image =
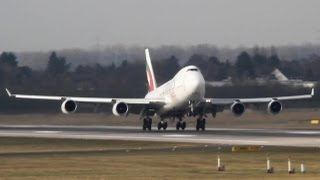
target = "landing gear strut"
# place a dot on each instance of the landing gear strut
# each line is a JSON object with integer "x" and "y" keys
{"x": 147, "y": 123}
{"x": 191, "y": 109}
{"x": 201, "y": 124}
{"x": 163, "y": 125}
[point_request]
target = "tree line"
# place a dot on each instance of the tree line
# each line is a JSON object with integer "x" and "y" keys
{"x": 128, "y": 78}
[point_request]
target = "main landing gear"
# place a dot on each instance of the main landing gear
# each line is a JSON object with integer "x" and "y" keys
{"x": 147, "y": 123}
{"x": 163, "y": 125}
{"x": 201, "y": 124}
{"x": 181, "y": 124}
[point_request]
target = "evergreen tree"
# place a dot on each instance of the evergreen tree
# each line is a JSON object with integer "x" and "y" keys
{"x": 9, "y": 58}
{"x": 244, "y": 65}
{"x": 57, "y": 65}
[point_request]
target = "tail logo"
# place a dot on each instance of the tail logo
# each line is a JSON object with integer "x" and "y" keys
{"x": 150, "y": 79}
{"x": 150, "y": 74}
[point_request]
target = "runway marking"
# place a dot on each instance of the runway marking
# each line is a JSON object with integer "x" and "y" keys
{"x": 236, "y": 141}
{"x": 283, "y": 137}
{"x": 302, "y": 132}
{"x": 46, "y": 132}
{"x": 178, "y": 135}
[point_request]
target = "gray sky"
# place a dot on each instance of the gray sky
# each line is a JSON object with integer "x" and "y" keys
{"x": 56, "y": 24}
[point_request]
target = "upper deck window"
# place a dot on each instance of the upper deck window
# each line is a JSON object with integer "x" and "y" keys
{"x": 192, "y": 69}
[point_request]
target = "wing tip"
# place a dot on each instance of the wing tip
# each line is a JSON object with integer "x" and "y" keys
{"x": 8, "y": 92}
{"x": 312, "y": 92}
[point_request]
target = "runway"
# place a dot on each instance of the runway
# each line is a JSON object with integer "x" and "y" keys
{"x": 223, "y": 136}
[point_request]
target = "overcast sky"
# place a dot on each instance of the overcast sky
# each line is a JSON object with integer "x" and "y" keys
{"x": 56, "y": 24}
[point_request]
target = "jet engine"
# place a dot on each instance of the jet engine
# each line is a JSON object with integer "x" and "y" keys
{"x": 68, "y": 106}
{"x": 237, "y": 108}
{"x": 120, "y": 109}
{"x": 274, "y": 107}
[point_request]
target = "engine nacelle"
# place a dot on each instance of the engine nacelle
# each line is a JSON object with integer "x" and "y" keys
{"x": 68, "y": 106}
{"x": 274, "y": 107}
{"x": 237, "y": 108}
{"x": 120, "y": 109}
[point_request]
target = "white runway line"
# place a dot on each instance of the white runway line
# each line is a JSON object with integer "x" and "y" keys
{"x": 302, "y": 132}
{"x": 46, "y": 132}
{"x": 178, "y": 135}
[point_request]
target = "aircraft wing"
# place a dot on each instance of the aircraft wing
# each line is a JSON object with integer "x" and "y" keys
{"x": 227, "y": 101}
{"x": 94, "y": 100}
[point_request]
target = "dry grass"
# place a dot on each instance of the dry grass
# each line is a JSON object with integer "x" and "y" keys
{"x": 154, "y": 164}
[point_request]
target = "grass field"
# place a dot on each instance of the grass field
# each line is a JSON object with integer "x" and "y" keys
{"x": 36, "y": 158}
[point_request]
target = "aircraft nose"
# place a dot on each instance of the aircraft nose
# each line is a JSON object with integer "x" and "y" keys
{"x": 193, "y": 82}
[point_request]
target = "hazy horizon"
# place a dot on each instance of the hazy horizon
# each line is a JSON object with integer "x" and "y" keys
{"x": 42, "y": 25}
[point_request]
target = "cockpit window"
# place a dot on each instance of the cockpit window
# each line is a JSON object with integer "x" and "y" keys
{"x": 192, "y": 69}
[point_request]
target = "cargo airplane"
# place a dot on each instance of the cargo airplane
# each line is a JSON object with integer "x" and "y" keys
{"x": 183, "y": 95}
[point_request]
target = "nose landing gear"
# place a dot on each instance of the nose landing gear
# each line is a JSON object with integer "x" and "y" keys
{"x": 191, "y": 111}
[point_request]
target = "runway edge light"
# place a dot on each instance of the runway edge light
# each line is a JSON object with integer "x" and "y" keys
{"x": 269, "y": 168}
{"x": 290, "y": 169}
{"x": 303, "y": 170}
{"x": 219, "y": 166}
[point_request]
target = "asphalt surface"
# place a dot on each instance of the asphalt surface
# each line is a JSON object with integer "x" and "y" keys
{"x": 223, "y": 136}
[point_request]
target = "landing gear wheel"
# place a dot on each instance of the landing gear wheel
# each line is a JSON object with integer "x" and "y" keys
{"x": 165, "y": 125}
{"x": 183, "y": 125}
{"x": 178, "y": 125}
{"x": 159, "y": 126}
{"x": 149, "y": 124}
{"x": 203, "y": 123}
{"x": 145, "y": 124}
{"x": 198, "y": 126}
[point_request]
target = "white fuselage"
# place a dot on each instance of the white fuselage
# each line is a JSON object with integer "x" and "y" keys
{"x": 187, "y": 85}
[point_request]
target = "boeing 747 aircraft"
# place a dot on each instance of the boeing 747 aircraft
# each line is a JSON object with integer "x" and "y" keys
{"x": 183, "y": 95}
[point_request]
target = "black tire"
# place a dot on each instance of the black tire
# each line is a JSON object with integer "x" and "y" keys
{"x": 183, "y": 125}
{"x": 165, "y": 126}
{"x": 144, "y": 125}
{"x": 199, "y": 124}
{"x": 197, "y": 127}
{"x": 149, "y": 124}
{"x": 203, "y": 125}
{"x": 203, "y": 121}
{"x": 178, "y": 125}
{"x": 159, "y": 126}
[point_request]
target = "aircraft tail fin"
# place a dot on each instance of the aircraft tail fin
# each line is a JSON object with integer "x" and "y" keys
{"x": 279, "y": 75}
{"x": 150, "y": 75}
